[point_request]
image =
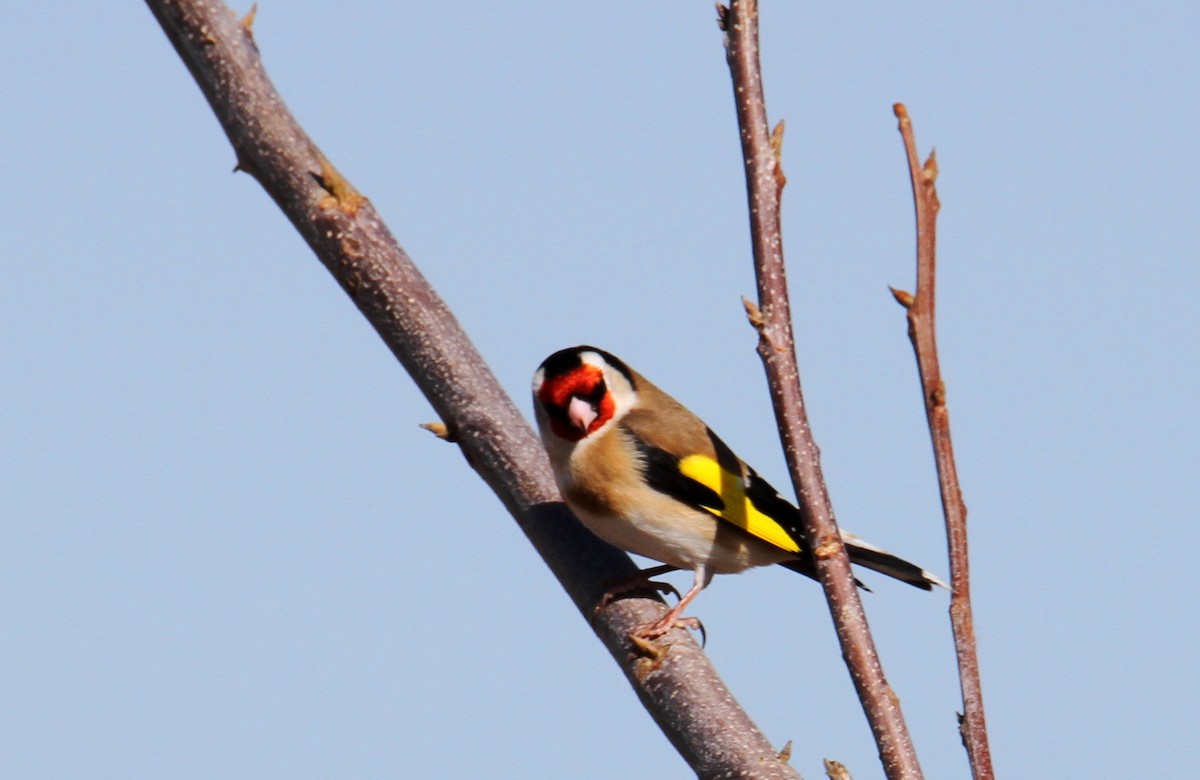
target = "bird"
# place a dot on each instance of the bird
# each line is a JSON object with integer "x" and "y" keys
{"x": 646, "y": 475}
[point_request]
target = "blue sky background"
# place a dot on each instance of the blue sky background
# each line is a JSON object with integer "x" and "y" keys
{"x": 227, "y": 550}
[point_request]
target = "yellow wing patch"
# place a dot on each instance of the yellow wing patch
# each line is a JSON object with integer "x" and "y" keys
{"x": 739, "y": 509}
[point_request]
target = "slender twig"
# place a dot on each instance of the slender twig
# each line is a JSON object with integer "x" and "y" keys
{"x": 772, "y": 318}
{"x": 681, "y": 690}
{"x": 923, "y": 334}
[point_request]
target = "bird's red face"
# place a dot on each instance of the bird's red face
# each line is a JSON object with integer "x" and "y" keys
{"x": 577, "y": 401}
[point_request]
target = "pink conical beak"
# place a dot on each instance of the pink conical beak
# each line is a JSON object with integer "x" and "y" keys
{"x": 581, "y": 413}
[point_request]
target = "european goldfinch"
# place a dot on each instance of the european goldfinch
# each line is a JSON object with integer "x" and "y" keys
{"x": 645, "y": 474}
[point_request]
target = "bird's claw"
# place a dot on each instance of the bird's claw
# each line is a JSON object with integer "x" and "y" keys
{"x": 612, "y": 594}
{"x": 640, "y": 581}
{"x": 647, "y": 632}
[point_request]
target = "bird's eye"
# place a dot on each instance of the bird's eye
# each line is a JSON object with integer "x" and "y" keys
{"x": 556, "y": 411}
{"x": 597, "y": 394}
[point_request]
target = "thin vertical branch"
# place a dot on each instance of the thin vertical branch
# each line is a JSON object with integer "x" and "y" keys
{"x": 923, "y": 334}
{"x": 776, "y": 346}
{"x": 681, "y": 691}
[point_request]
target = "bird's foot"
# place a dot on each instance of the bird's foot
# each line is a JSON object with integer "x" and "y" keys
{"x": 639, "y": 581}
{"x": 646, "y": 633}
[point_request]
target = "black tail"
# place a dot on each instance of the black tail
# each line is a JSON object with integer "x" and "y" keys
{"x": 872, "y": 557}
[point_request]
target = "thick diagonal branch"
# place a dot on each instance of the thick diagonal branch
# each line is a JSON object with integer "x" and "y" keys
{"x": 922, "y": 332}
{"x": 682, "y": 692}
{"x": 773, "y": 320}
